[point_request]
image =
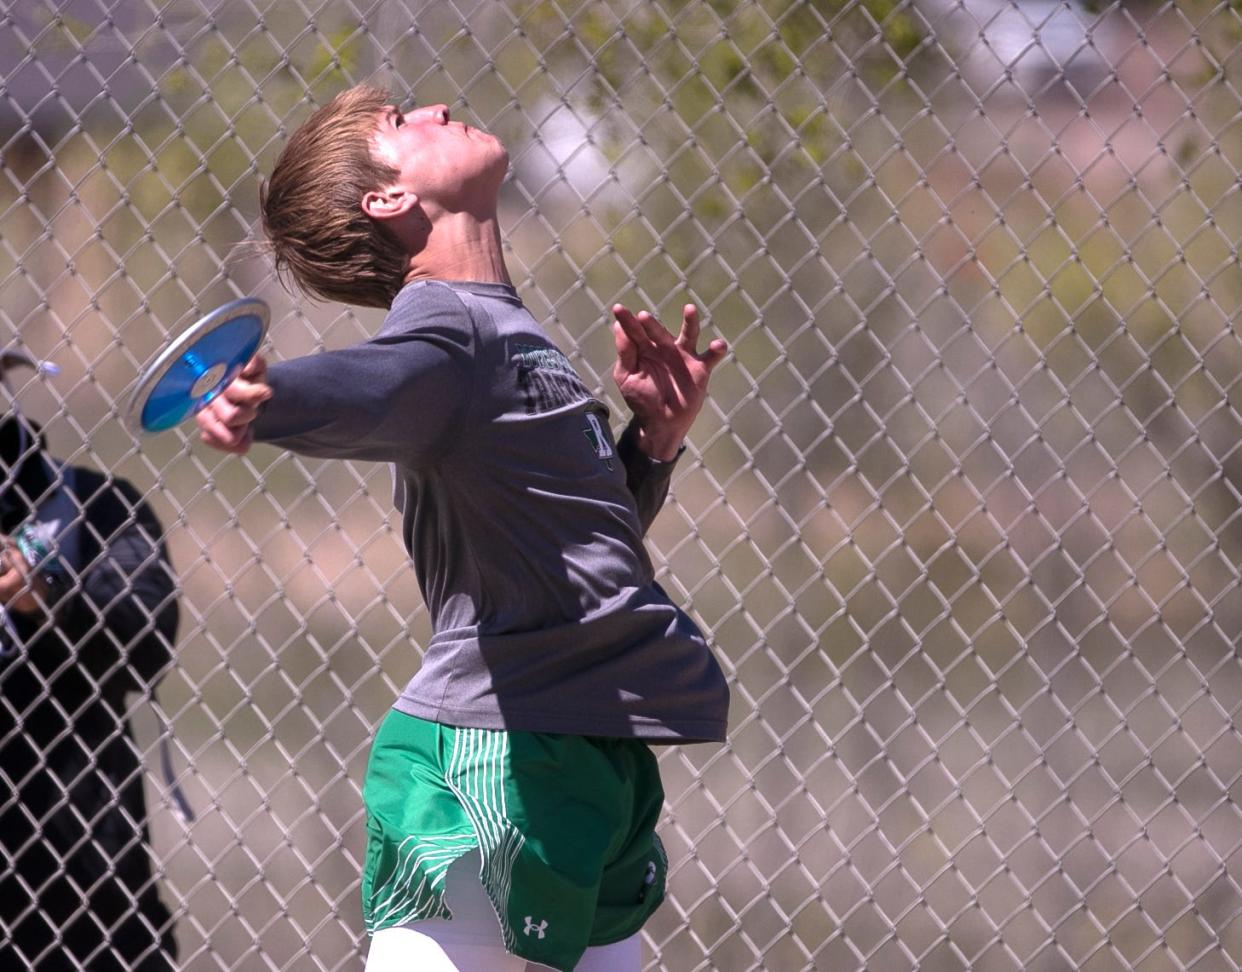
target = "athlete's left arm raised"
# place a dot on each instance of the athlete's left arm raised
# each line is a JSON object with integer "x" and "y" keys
{"x": 664, "y": 382}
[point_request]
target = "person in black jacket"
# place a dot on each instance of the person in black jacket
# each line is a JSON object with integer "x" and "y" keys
{"x": 88, "y": 617}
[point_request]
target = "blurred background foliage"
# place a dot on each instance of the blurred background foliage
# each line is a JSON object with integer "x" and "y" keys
{"x": 962, "y": 516}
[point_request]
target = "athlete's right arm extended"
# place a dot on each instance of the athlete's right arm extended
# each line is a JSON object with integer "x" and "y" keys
{"x": 397, "y": 397}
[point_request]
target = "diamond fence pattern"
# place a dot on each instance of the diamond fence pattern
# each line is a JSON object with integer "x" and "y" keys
{"x": 962, "y": 515}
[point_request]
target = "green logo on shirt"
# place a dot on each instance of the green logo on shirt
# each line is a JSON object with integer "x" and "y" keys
{"x": 545, "y": 378}
{"x": 533, "y": 357}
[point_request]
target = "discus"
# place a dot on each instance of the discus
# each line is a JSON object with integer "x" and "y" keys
{"x": 198, "y": 365}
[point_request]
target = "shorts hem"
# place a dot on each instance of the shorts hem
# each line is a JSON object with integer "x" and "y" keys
{"x": 437, "y": 907}
{"x": 638, "y": 926}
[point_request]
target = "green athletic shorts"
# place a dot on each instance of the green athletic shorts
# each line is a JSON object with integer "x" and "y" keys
{"x": 565, "y": 827}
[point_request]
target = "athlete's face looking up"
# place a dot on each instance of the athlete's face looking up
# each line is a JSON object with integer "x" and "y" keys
{"x": 448, "y": 165}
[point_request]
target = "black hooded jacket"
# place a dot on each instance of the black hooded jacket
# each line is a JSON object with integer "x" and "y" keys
{"x": 76, "y": 883}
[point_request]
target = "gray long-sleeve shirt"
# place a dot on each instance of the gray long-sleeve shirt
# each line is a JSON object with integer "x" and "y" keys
{"x": 523, "y": 518}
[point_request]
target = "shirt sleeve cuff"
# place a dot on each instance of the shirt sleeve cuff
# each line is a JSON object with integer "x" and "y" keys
{"x": 638, "y": 462}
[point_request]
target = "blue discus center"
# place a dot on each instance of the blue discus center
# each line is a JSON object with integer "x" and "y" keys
{"x": 202, "y": 371}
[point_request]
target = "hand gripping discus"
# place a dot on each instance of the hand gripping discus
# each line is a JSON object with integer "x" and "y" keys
{"x": 197, "y": 365}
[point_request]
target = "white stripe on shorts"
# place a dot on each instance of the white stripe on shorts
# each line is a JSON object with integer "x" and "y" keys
{"x": 396, "y": 899}
{"x": 476, "y": 775}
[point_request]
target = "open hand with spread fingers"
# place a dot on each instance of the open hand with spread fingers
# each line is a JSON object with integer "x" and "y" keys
{"x": 662, "y": 379}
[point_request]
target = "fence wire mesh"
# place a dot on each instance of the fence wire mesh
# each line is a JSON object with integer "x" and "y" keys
{"x": 962, "y": 515}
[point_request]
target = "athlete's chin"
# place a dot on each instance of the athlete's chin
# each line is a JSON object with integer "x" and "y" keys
{"x": 502, "y": 153}
{"x": 499, "y": 163}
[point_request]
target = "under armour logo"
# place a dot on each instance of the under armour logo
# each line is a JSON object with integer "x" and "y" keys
{"x": 538, "y": 929}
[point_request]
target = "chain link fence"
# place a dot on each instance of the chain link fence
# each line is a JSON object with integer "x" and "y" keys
{"x": 962, "y": 515}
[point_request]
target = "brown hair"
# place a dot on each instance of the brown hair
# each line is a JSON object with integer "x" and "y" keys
{"x": 312, "y": 206}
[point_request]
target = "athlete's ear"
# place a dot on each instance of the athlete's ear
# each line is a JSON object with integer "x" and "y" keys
{"x": 388, "y": 203}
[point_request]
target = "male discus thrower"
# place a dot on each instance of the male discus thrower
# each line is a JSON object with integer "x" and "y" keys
{"x": 198, "y": 365}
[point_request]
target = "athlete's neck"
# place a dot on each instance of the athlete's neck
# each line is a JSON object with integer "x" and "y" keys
{"x": 460, "y": 247}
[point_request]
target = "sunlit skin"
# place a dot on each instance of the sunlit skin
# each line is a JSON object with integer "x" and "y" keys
{"x": 443, "y": 203}
{"x": 663, "y": 380}
{"x": 443, "y": 206}
{"x": 18, "y": 590}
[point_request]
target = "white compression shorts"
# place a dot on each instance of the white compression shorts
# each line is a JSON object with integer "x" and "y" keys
{"x": 471, "y": 941}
